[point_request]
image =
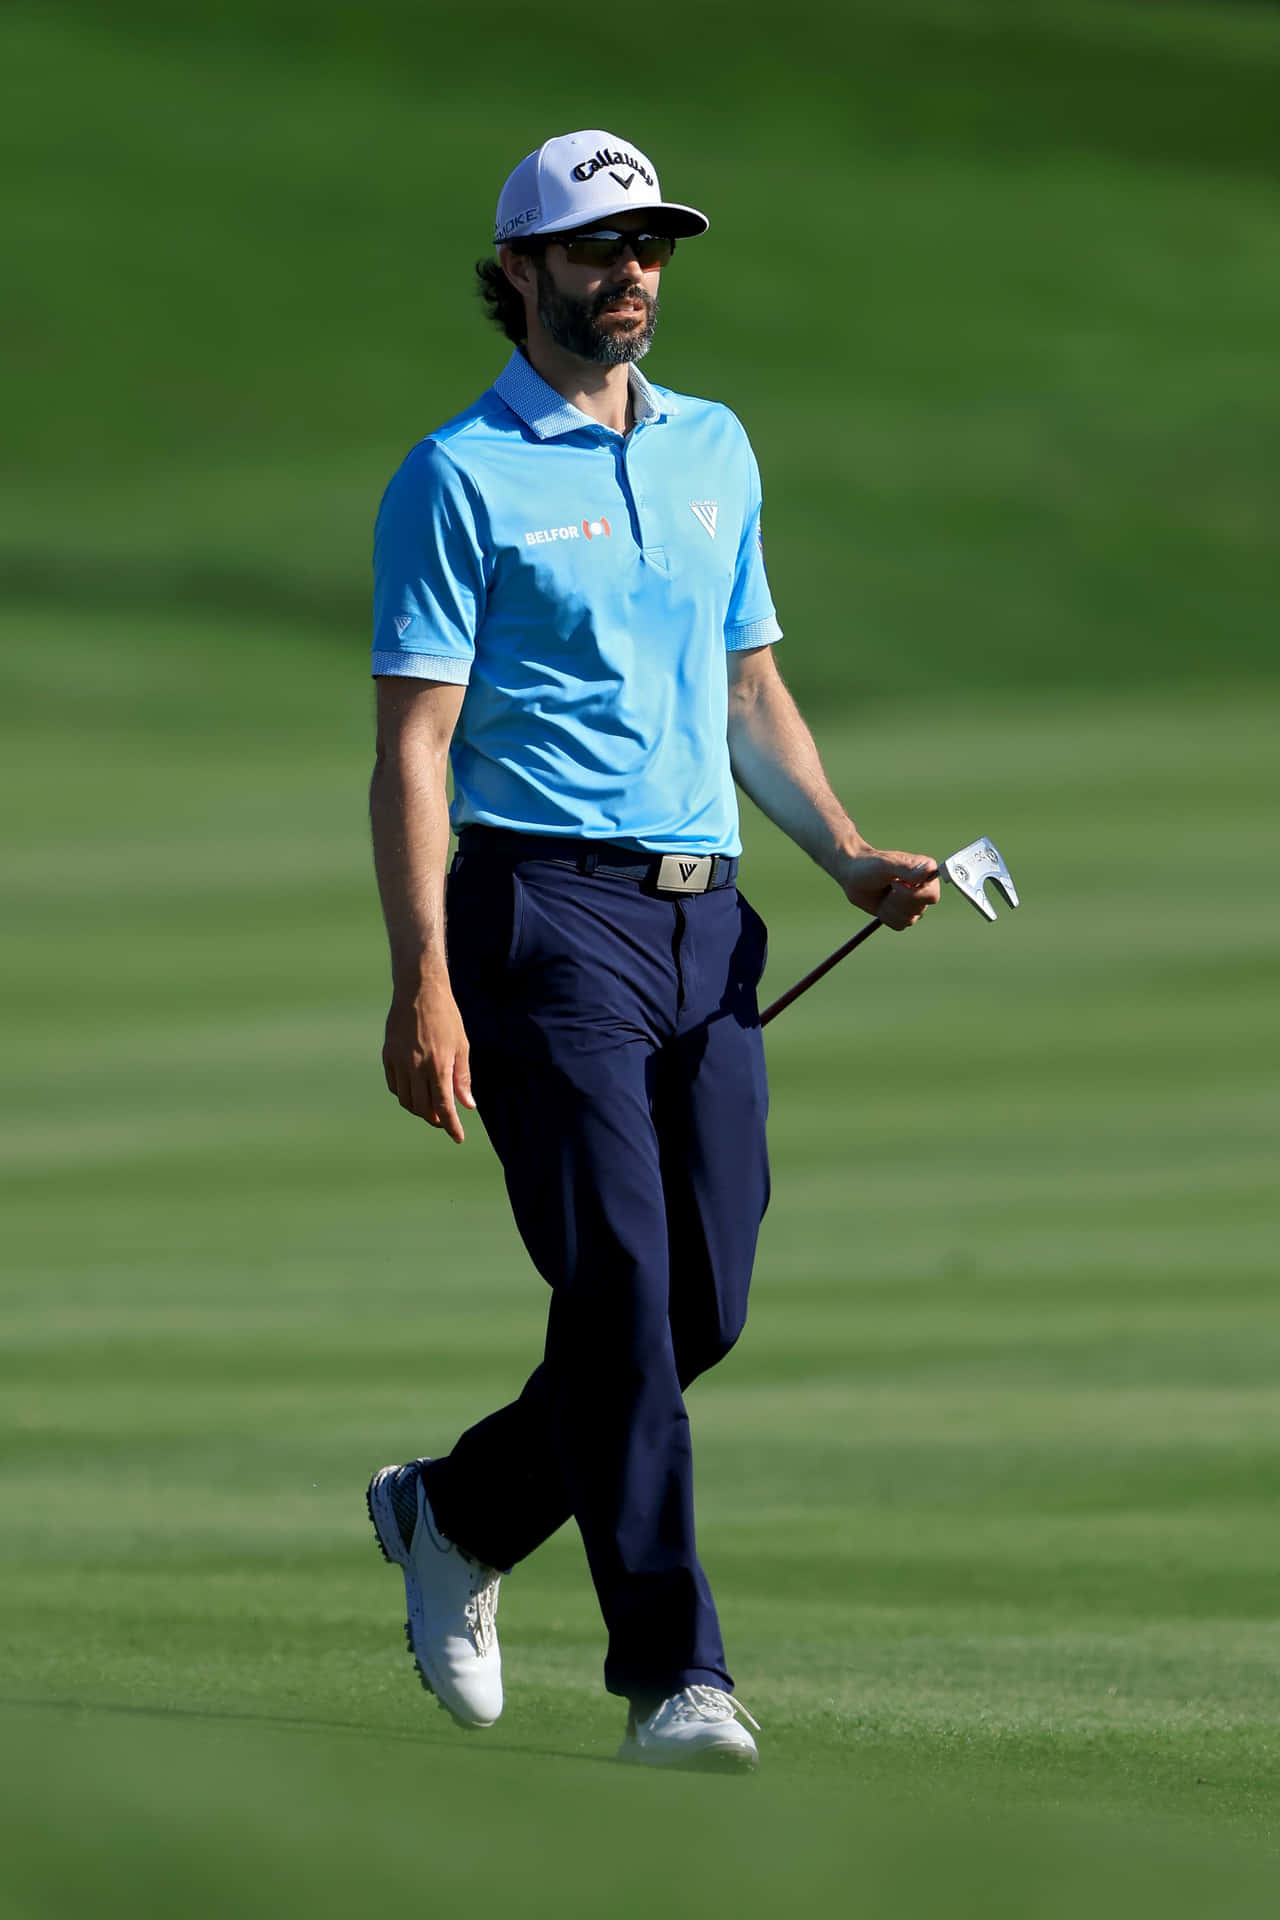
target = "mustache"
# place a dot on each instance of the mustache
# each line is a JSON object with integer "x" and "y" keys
{"x": 623, "y": 297}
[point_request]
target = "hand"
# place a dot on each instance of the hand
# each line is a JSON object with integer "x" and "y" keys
{"x": 889, "y": 885}
{"x": 426, "y": 1058}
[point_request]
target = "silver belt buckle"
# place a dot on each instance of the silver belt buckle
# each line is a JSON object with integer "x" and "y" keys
{"x": 685, "y": 873}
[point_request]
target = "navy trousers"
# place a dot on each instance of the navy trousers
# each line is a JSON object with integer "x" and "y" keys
{"x": 618, "y": 1068}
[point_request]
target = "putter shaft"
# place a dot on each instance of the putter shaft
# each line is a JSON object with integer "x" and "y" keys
{"x": 823, "y": 966}
{"x": 832, "y": 959}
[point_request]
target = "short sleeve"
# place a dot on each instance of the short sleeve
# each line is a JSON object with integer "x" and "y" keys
{"x": 428, "y": 571}
{"x": 751, "y": 620}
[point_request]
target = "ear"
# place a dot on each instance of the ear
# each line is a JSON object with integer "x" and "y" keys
{"x": 519, "y": 269}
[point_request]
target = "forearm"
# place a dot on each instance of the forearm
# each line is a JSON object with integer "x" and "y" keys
{"x": 776, "y": 762}
{"x": 425, "y": 1056}
{"x": 409, "y": 816}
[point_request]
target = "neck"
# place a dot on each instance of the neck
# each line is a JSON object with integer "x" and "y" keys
{"x": 602, "y": 393}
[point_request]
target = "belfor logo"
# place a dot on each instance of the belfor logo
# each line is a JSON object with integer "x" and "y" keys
{"x": 547, "y": 536}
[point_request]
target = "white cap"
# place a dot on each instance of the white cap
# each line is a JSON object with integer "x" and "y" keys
{"x": 579, "y": 178}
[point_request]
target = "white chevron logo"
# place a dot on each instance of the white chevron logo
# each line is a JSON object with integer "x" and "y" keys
{"x": 706, "y": 511}
{"x": 403, "y": 623}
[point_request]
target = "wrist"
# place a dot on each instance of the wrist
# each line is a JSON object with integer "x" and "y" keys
{"x": 419, "y": 975}
{"x": 849, "y": 849}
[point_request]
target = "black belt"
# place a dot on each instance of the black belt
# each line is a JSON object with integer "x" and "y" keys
{"x": 661, "y": 872}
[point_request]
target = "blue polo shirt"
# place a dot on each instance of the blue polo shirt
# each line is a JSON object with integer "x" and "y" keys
{"x": 584, "y": 586}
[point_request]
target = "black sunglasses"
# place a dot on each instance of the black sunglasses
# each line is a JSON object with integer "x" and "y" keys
{"x": 606, "y": 246}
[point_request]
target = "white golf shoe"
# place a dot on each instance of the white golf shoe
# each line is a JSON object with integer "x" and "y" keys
{"x": 452, "y": 1600}
{"x": 698, "y": 1728}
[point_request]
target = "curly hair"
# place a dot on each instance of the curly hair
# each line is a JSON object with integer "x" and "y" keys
{"x": 506, "y": 308}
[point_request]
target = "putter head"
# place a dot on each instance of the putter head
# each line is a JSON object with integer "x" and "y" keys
{"x": 972, "y": 867}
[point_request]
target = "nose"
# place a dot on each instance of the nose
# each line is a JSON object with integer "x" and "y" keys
{"x": 627, "y": 267}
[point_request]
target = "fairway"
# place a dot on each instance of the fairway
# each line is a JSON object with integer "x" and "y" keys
{"x": 988, "y": 1490}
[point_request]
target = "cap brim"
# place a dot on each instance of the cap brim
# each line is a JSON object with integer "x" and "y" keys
{"x": 682, "y": 223}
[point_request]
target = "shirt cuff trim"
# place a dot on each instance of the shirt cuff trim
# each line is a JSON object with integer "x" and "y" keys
{"x": 421, "y": 666}
{"x": 757, "y": 633}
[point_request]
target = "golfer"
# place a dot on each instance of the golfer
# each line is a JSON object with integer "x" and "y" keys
{"x": 571, "y": 606}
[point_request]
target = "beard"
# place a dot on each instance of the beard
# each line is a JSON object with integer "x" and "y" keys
{"x": 574, "y": 324}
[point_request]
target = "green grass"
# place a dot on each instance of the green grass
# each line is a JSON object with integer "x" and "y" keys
{"x": 216, "y": 1816}
{"x": 987, "y": 1492}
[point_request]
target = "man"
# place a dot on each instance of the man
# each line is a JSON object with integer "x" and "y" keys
{"x": 571, "y": 603}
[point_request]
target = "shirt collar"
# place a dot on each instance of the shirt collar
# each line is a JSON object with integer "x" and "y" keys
{"x": 545, "y": 413}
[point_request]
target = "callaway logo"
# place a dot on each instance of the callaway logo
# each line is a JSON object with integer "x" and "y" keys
{"x": 403, "y": 623}
{"x": 687, "y": 867}
{"x": 706, "y": 511}
{"x": 613, "y": 157}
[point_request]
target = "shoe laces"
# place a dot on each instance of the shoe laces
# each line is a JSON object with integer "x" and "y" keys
{"x": 482, "y": 1607}
{"x": 706, "y": 1703}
